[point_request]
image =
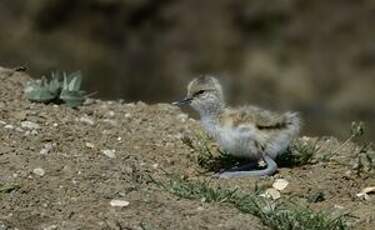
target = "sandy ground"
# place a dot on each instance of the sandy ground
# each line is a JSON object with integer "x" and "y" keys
{"x": 63, "y": 170}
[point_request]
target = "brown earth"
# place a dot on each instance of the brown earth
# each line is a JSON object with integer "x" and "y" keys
{"x": 316, "y": 57}
{"x": 80, "y": 181}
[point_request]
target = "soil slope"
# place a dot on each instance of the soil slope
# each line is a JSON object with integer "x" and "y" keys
{"x": 62, "y": 170}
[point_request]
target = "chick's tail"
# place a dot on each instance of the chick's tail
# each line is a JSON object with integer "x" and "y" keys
{"x": 293, "y": 123}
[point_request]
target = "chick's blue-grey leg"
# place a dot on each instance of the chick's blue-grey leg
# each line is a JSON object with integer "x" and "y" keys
{"x": 270, "y": 170}
{"x": 248, "y": 166}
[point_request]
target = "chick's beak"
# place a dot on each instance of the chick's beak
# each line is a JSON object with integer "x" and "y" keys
{"x": 185, "y": 101}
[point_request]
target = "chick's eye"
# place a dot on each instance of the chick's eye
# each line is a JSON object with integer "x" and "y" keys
{"x": 200, "y": 92}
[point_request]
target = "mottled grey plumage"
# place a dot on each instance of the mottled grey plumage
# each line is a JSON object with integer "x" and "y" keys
{"x": 248, "y": 131}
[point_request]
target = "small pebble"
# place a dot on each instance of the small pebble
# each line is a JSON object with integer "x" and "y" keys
{"x": 10, "y": 127}
{"x": 109, "y": 153}
{"x": 34, "y": 132}
{"x": 280, "y": 184}
{"x": 141, "y": 104}
{"x": 110, "y": 114}
{"x": 30, "y": 125}
{"x": 2, "y": 122}
{"x": 182, "y": 117}
{"x": 110, "y": 121}
{"x": 87, "y": 120}
{"x": 364, "y": 194}
{"x": 271, "y": 193}
{"x": 20, "y": 130}
{"x": 46, "y": 148}
{"x": 51, "y": 227}
{"x": 338, "y": 206}
{"x": 90, "y": 145}
{"x": 89, "y": 101}
{"x": 21, "y": 115}
{"x": 119, "y": 203}
{"x": 39, "y": 171}
{"x": 304, "y": 138}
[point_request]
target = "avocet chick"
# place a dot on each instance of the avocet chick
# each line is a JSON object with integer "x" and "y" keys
{"x": 248, "y": 131}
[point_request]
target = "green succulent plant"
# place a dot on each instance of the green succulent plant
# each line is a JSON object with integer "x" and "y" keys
{"x": 43, "y": 91}
{"x": 67, "y": 91}
{"x": 71, "y": 92}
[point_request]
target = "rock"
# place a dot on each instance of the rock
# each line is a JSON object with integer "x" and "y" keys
{"x": 110, "y": 114}
{"x": 20, "y": 130}
{"x": 87, "y": 120}
{"x": 51, "y": 227}
{"x": 2, "y": 122}
{"x": 39, "y": 171}
{"x": 364, "y": 194}
{"x": 182, "y": 117}
{"x": 119, "y": 203}
{"x": 280, "y": 184}
{"x": 272, "y": 194}
{"x": 110, "y": 121}
{"x": 336, "y": 206}
{"x": 141, "y": 104}
{"x": 34, "y": 132}
{"x": 90, "y": 145}
{"x": 89, "y": 101}
{"x": 30, "y": 125}
{"x": 130, "y": 104}
{"x": 46, "y": 148}
{"x": 20, "y": 115}
{"x": 4, "y": 227}
{"x": 10, "y": 127}
{"x": 109, "y": 153}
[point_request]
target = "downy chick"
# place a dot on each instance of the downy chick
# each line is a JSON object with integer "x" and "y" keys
{"x": 248, "y": 131}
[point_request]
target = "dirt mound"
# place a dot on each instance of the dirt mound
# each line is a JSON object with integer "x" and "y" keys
{"x": 276, "y": 55}
{"x": 61, "y": 167}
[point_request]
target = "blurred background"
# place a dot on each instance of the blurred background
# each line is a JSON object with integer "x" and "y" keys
{"x": 317, "y": 57}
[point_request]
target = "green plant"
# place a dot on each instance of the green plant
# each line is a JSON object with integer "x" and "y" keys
{"x": 280, "y": 215}
{"x": 4, "y": 188}
{"x": 71, "y": 92}
{"x": 365, "y": 160}
{"x": 196, "y": 190}
{"x": 55, "y": 90}
{"x": 357, "y": 130}
{"x": 300, "y": 152}
{"x": 42, "y": 90}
